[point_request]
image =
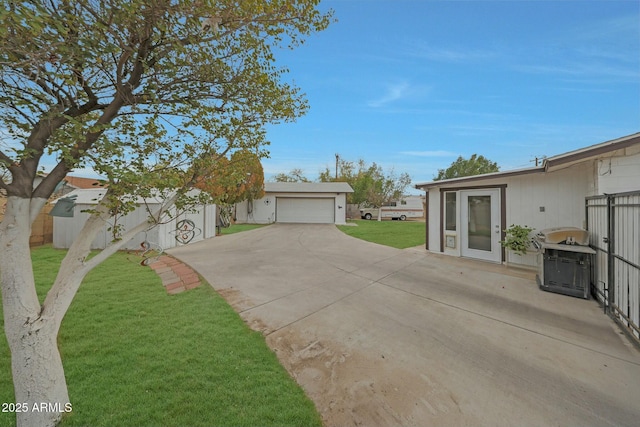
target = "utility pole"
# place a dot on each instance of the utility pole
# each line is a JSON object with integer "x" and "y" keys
{"x": 337, "y": 158}
{"x": 539, "y": 160}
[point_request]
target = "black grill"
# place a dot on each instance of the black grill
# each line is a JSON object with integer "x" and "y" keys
{"x": 564, "y": 268}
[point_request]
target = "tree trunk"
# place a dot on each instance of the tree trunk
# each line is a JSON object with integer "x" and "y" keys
{"x": 38, "y": 376}
{"x": 32, "y": 328}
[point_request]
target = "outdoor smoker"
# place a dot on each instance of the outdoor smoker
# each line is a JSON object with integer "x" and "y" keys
{"x": 564, "y": 261}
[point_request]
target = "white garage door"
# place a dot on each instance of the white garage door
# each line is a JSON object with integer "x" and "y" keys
{"x": 313, "y": 210}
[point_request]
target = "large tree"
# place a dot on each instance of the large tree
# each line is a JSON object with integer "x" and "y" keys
{"x": 150, "y": 94}
{"x": 475, "y": 165}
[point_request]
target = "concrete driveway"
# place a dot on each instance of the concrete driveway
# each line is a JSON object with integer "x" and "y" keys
{"x": 380, "y": 336}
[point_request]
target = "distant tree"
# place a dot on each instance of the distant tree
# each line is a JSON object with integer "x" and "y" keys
{"x": 347, "y": 172}
{"x": 371, "y": 185}
{"x": 475, "y": 165}
{"x": 382, "y": 188}
{"x": 295, "y": 175}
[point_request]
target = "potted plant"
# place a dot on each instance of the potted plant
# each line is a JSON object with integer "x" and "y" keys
{"x": 517, "y": 239}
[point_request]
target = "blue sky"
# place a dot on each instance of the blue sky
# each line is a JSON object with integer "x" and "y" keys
{"x": 412, "y": 85}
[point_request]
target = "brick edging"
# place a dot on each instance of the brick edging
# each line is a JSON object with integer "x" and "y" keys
{"x": 175, "y": 275}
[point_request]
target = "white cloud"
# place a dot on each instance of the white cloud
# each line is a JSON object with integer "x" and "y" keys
{"x": 394, "y": 92}
{"x": 584, "y": 69}
{"x": 423, "y": 50}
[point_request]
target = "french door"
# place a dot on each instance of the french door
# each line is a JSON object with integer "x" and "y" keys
{"x": 480, "y": 224}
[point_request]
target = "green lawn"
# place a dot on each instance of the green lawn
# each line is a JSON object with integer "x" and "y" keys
{"x": 237, "y": 228}
{"x": 135, "y": 356}
{"x": 398, "y": 234}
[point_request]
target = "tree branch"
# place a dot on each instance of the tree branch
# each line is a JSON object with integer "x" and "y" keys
{"x": 74, "y": 267}
{"x": 130, "y": 234}
{"x": 6, "y": 160}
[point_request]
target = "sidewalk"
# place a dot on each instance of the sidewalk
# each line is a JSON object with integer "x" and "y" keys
{"x": 176, "y": 276}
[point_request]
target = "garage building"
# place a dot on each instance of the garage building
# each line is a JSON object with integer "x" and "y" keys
{"x": 297, "y": 202}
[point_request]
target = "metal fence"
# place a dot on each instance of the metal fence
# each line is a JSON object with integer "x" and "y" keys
{"x": 613, "y": 222}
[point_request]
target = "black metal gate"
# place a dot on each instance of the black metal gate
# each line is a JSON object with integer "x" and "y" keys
{"x": 613, "y": 221}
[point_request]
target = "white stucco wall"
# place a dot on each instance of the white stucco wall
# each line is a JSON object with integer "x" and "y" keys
{"x": 260, "y": 211}
{"x": 341, "y": 209}
{"x": 549, "y": 200}
{"x": 618, "y": 174}
{"x": 554, "y": 199}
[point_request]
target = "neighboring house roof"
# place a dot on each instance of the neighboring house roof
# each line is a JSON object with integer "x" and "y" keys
{"x": 78, "y": 182}
{"x": 307, "y": 187}
{"x": 88, "y": 196}
{"x": 561, "y": 160}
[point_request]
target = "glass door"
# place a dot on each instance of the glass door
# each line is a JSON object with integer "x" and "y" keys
{"x": 480, "y": 224}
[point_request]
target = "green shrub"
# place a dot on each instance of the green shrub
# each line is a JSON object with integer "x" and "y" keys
{"x": 517, "y": 238}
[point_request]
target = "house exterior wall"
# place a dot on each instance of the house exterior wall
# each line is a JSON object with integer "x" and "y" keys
{"x": 341, "y": 209}
{"x": 552, "y": 195}
{"x": 538, "y": 200}
{"x": 263, "y": 211}
{"x": 260, "y": 211}
{"x": 548, "y": 200}
{"x": 618, "y": 174}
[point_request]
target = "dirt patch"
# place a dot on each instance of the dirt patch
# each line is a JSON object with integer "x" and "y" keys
{"x": 351, "y": 388}
{"x": 236, "y": 299}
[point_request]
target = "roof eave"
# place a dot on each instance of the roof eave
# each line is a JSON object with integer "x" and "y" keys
{"x": 486, "y": 176}
{"x": 548, "y": 163}
{"x": 593, "y": 150}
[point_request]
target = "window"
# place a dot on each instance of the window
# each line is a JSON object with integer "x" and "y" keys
{"x": 450, "y": 211}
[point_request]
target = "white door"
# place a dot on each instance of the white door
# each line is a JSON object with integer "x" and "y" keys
{"x": 305, "y": 210}
{"x": 480, "y": 224}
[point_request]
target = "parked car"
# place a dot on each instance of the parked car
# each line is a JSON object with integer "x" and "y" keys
{"x": 401, "y": 209}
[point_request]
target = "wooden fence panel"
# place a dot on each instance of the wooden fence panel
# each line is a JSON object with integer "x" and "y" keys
{"x": 42, "y": 228}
